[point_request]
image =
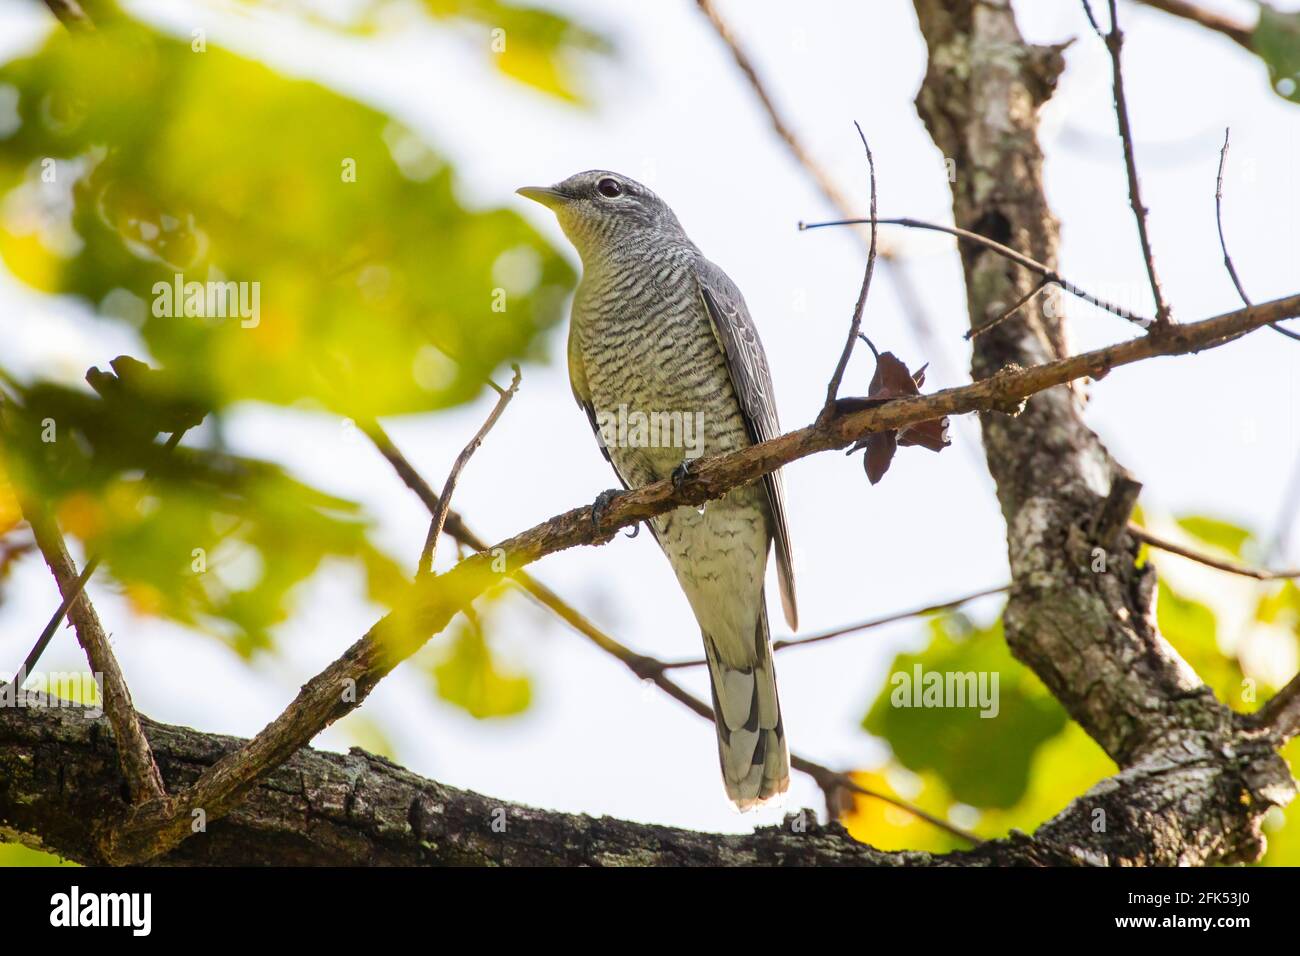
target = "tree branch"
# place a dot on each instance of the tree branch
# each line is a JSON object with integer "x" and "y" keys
{"x": 1114, "y": 43}
{"x": 1238, "y": 33}
{"x": 860, "y": 626}
{"x": 855, "y": 325}
{"x": 449, "y": 488}
{"x": 1232, "y": 567}
{"x": 138, "y": 767}
{"x": 357, "y": 809}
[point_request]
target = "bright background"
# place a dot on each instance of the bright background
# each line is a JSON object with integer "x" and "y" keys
{"x": 1217, "y": 433}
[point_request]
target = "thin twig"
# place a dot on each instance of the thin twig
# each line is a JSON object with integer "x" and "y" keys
{"x": 1114, "y": 44}
{"x": 1223, "y": 243}
{"x": 1008, "y": 313}
{"x": 1232, "y": 567}
{"x": 51, "y": 628}
{"x": 833, "y": 389}
{"x": 862, "y": 625}
{"x": 1019, "y": 258}
{"x": 448, "y": 489}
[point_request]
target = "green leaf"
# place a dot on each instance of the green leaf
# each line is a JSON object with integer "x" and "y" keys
{"x": 1277, "y": 41}
{"x": 208, "y": 539}
{"x": 1192, "y": 629}
{"x": 953, "y": 741}
{"x": 1217, "y": 532}
{"x": 469, "y": 676}
{"x": 1280, "y": 606}
{"x": 324, "y": 245}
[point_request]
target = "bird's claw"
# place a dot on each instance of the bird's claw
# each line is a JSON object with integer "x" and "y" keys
{"x": 601, "y": 505}
{"x": 682, "y": 473}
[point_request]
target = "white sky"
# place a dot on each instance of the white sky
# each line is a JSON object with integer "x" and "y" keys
{"x": 1215, "y": 433}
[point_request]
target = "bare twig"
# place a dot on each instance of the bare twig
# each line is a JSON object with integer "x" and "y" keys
{"x": 1232, "y": 567}
{"x": 51, "y": 628}
{"x": 833, "y": 389}
{"x": 1238, "y": 33}
{"x": 1007, "y": 313}
{"x": 142, "y": 777}
{"x": 448, "y": 489}
{"x": 1046, "y": 273}
{"x": 862, "y": 625}
{"x": 154, "y": 828}
{"x": 1223, "y": 242}
{"x": 1114, "y": 43}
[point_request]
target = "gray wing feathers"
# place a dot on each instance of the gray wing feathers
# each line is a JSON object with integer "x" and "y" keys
{"x": 752, "y": 381}
{"x": 751, "y": 735}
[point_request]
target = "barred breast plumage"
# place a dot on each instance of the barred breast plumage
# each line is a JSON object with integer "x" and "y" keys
{"x": 657, "y": 329}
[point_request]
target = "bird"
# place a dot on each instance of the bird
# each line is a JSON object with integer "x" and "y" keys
{"x": 658, "y": 329}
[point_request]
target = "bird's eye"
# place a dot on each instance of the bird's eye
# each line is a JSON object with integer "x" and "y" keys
{"x": 609, "y": 187}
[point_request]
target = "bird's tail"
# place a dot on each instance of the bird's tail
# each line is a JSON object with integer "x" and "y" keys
{"x": 751, "y": 735}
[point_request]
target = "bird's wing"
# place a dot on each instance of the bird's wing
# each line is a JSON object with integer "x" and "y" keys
{"x": 752, "y": 381}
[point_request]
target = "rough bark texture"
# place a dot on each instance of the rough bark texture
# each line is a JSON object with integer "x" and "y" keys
{"x": 1089, "y": 634}
{"x": 59, "y": 780}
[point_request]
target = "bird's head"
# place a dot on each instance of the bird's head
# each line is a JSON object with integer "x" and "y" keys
{"x": 597, "y": 209}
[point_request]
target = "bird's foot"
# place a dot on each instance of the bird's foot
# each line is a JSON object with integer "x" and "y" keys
{"x": 683, "y": 473}
{"x": 601, "y": 505}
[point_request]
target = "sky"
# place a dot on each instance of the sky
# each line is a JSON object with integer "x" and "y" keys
{"x": 1216, "y": 433}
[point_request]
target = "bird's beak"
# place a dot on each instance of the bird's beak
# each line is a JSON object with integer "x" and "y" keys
{"x": 548, "y": 196}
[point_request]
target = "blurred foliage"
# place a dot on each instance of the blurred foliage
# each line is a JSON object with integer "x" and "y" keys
{"x": 1193, "y": 629}
{"x": 469, "y": 675}
{"x": 954, "y": 741}
{"x": 538, "y": 47}
{"x": 1216, "y": 532}
{"x": 1032, "y": 759}
{"x": 362, "y": 284}
{"x": 208, "y": 539}
{"x": 1277, "y": 41}
{"x": 267, "y": 239}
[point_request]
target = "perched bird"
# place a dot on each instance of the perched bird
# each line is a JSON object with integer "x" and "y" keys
{"x": 659, "y": 329}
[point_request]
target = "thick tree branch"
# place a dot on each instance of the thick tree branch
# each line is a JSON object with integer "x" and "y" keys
{"x": 58, "y": 777}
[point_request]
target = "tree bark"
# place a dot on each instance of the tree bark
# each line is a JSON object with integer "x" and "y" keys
{"x": 1080, "y": 615}
{"x": 59, "y": 780}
